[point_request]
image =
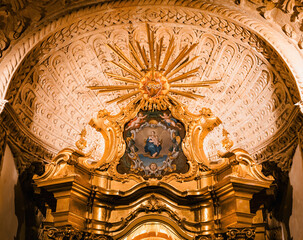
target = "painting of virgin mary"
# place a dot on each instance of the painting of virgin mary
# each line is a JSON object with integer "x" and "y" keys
{"x": 153, "y": 145}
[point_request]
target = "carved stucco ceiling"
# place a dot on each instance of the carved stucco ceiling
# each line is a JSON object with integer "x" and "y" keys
{"x": 255, "y": 99}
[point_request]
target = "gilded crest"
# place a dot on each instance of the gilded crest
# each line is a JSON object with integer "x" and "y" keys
{"x": 154, "y": 136}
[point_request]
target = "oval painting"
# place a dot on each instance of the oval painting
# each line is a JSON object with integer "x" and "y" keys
{"x": 153, "y": 145}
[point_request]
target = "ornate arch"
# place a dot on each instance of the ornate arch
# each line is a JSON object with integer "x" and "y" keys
{"x": 279, "y": 42}
{"x": 19, "y": 62}
{"x": 154, "y": 218}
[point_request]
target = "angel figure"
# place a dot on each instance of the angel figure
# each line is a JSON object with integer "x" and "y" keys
{"x": 136, "y": 122}
{"x": 170, "y": 121}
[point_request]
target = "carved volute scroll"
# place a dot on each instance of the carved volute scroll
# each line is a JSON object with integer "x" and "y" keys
{"x": 111, "y": 128}
{"x": 197, "y": 128}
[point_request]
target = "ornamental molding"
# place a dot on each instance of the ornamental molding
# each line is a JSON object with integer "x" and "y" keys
{"x": 160, "y": 201}
{"x": 49, "y": 233}
{"x": 208, "y": 21}
{"x": 241, "y": 233}
{"x": 154, "y": 204}
{"x": 282, "y": 148}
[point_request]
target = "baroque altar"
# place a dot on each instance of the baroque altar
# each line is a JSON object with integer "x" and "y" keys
{"x": 152, "y": 171}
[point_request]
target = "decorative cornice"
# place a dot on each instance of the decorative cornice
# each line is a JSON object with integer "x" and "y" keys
{"x": 68, "y": 158}
{"x": 24, "y": 146}
{"x": 282, "y": 149}
{"x": 155, "y": 206}
{"x": 71, "y": 233}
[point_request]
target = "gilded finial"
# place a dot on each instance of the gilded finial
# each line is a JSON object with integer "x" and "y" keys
{"x": 227, "y": 143}
{"x": 81, "y": 143}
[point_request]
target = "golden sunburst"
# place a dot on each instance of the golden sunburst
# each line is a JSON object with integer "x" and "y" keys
{"x": 154, "y": 82}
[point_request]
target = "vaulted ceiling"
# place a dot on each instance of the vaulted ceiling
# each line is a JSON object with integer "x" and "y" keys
{"x": 51, "y": 104}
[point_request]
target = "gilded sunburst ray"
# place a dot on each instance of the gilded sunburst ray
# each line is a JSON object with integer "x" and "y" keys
{"x": 151, "y": 81}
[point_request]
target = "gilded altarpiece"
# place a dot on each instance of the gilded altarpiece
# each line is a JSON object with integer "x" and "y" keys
{"x": 157, "y": 175}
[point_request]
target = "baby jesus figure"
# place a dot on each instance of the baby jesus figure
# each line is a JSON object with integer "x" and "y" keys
{"x": 153, "y": 144}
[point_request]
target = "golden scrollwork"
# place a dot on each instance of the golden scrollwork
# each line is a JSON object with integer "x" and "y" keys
{"x": 112, "y": 128}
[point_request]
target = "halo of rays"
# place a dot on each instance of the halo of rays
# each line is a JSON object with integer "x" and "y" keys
{"x": 151, "y": 62}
